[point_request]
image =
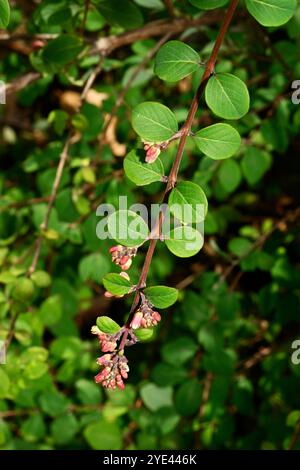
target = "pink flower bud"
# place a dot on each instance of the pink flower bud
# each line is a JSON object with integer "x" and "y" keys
{"x": 108, "y": 295}
{"x": 125, "y": 275}
{"x": 103, "y": 359}
{"x": 152, "y": 154}
{"x": 136, "y": 322}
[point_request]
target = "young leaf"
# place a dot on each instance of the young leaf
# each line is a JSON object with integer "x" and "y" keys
{"x": 154, "y": 122}
{"x": 227, "y": 96}
{"x": 272, "y": 12}
{"x": 62, "y": 50}
{"x": 218, "y": 141}
{"x": 107, "y": 325}
{"x": 161, "y": 296}
{"x": 184, "y": 241}
{"x": 4, "y": 13}
{"x": 126, "y": 15}
{"x": 128, "y": 228}
{"x": 144, "y": 334}
{"x": 208, "y": 4}
{"x": 175, "y": 60}
{"x": 187, "y": 202}
{"x": 116, "y": 284}
{"x": 142, "y": 173}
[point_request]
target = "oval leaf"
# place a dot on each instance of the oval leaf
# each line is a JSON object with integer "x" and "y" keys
{"x": 62, "y": 50}
{"x": 142, "y": 173}
{"x": 107, "y": 325}
{"x": 161, "y": 296}
{"x": 116, "y": 284}
{"x": 218, "y": 141}
{"x": 128, "y": 228}
{"x": 272, "y": 12}
{"x": 128, "y": 15}
{"x": 227, "y": 96}
{"x": 4, "y": 13}
{"x": 208, "y": 4}
{"x": 144, "y": 334}
{"x": 188, "y": 203}
{"x": 184, "y": 241}
{"x": 154, "y": 122}
{"x": 175, "y": 60}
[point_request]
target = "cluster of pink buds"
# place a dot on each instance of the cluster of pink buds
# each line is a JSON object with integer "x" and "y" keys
{"x": 122, "y": 255}
{"x": 152, "y": 151}
{"x": 145, "y": 316}
{"x": 115, "y": 369}
{"x": 108, "y": 343}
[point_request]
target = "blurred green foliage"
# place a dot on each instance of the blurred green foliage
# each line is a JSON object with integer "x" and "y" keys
{"x": 217, "y": 373}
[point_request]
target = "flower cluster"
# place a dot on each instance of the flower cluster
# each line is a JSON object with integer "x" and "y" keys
{"x": 152, "y": 151}
{"x": 115, "y": 369}
{"x": 122, "y": 256}
{"x": 145, "y": 316}
{"x": 114, "y": 364}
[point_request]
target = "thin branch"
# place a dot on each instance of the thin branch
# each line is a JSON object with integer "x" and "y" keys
{"x": 209, "y": 69}
{"x": 156, "y": 28}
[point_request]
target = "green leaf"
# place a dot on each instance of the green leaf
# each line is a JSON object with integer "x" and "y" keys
{"x": 188, "y": 203}
{"x": 41, "y": 279}
{"x": 218, "y": 141}
{"x": 24, "y": 289}
{"x": 62, "y": 50}
{"x": 144, "y": 334}
{"x": 51, "y": 310}
{"x": 4, "y": 13}
{"x": 64, "y": 428}
{"x": 107, "y": 325}
{"x": 188, "y": 397}
{"x": 255, "y": 163}
{"x": 127, "y": 228}
{"x": 227, "y": 96}
{"x": 142, "y": 173}
{"x": 88, "y": 392}
{"x": 53, "y": 403}
{"x": 239, "y": 246}
{"x": 184, "y": 241}
{"x": 175, "y": 60}
{"x": 154, "y": 122}
{"x": 128, "y": 16}
{"x": 33, "y": 429}
{"x": 156, "y": 397}
{"x": 230, "y": 175}
{"x": 272, "y": 12}
{"x": 93, "y": 267}
{"x": 103, "y": 435}
{"x": 179, "y": 351}
{"x": 166, "y": 374}
{"x": 208, "y": 4}
{"x": 161, "y": 296}
{"x": 116, "y": 284}
{"x": 4, "y": 383}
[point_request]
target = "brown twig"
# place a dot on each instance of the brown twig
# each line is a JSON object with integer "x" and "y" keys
{"x": 108, "y": 44}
